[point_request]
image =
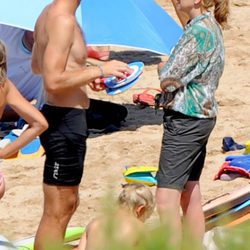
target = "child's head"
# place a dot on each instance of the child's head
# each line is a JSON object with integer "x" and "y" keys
{"x": 3, "y": 63}
{"x": 138, "y": 199}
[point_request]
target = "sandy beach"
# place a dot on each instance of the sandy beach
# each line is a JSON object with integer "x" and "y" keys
{"x": 139, "y": 140}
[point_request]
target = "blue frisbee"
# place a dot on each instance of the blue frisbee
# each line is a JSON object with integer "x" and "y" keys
{"x": 115, "y": 87}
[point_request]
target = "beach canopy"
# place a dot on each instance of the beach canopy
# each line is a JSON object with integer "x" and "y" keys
{"x": 140, "y": 24}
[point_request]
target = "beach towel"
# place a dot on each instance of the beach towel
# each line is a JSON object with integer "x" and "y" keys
{"x": 104, "y": 116}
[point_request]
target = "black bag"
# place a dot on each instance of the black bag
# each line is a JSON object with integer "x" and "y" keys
{"x": 103, "y": 114}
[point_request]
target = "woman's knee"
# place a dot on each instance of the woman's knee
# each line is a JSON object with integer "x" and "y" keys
{"x": 191, "y": 194}
{"x": 167, "y": 198}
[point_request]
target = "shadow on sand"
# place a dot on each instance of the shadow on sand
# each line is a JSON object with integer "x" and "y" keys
{"x": 137, "y": 117}
{"x": 147, "y": 57}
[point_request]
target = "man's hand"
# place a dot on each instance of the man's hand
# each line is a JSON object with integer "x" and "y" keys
{"x": 116, "y": 68}
{"x": 97, "y": 85}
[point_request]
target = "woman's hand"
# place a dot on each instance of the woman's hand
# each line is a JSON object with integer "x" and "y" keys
{"x": 170, "y": 85}
{"x": 170, "y": 88}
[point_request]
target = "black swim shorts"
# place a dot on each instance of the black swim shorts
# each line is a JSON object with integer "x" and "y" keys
{"x": 65, "y": 145}
{"x": 183, "y": 149}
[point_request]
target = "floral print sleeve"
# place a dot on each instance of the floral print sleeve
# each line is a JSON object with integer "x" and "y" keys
{"x": 196, "y": 63}
{"x": 185, "y": 61}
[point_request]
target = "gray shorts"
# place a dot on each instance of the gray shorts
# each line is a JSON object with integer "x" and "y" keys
{"x": 183, "y": 149}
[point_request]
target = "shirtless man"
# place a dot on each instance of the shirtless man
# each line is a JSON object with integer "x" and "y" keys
{"x": 59, "y": 55}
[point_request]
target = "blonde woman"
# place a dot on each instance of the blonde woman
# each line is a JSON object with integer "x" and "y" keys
{"x": 9, "y": 95}
{"x": 135, "y": 206}
{"x": 189, "y": 80}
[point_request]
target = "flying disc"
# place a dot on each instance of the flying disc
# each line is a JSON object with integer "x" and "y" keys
{"x": 114, "y": 86}
{"x": 115, "y": 91}
{"x": 112, "y": 82}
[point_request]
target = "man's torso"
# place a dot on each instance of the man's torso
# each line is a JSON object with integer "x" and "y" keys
{"x": 72, "y": 97}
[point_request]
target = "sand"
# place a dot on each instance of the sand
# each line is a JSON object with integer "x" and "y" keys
{"x": 139, "y": 140}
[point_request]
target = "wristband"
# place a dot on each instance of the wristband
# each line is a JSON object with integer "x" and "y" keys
{"x": 101, "y": 70}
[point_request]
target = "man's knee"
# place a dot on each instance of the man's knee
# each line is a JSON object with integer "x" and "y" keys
{"x": 61, "y": 202}
{"x": 71, "y": 204}
{"x": 74, "y": 204}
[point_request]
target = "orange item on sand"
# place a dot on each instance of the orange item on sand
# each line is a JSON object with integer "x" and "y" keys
{"x": 145, "y": 98}
{"x": 239, "y": 221}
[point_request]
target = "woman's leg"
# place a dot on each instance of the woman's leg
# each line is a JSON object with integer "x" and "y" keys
{"x": 192, "y": 209}
{"x": 168, "y": 206}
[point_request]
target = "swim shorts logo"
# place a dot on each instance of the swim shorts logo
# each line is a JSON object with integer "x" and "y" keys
{"x": 56, "y": 169}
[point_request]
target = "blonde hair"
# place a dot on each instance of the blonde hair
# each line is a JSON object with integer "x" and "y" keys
{"x": 221, "y": 10}
{"x": 134, "y": 195}
{"x": 3, "y": 63}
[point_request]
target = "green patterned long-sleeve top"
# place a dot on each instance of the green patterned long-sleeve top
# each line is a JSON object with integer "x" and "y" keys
{"x": 196, "y": 63}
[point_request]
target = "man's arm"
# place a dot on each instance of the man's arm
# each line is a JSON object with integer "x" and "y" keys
{"x": 181, "y": 15}
{"x": 57, "y": 52}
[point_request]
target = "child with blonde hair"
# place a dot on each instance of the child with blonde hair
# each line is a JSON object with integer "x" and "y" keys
{"x": 138, "y": 199}
{"x": 135, "y": 205}
{"x": 9, "y": 95}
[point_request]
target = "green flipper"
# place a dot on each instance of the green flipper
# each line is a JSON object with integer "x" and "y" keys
{"x": 72, "y": 234}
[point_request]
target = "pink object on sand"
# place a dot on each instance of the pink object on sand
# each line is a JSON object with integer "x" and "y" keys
{"x": 99, "y": 55}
